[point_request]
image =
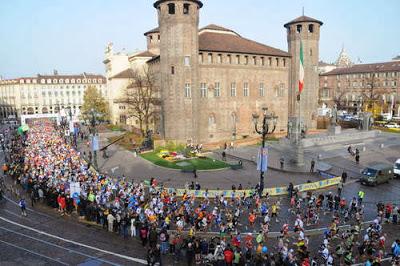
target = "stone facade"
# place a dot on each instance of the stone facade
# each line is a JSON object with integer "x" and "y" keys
{"x": 350, "y": 86}
{"x": 46, "y": 94}
{"x": 212, "y": 79}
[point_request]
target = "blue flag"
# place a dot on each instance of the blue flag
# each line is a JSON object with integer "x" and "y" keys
{"x": 262, "y": 159}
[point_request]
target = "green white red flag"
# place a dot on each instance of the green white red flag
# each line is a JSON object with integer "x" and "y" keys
{"x": 301, "y": 68}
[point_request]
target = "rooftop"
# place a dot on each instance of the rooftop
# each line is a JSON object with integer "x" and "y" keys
{"x": 365, "y": 68}
{"x": 155, "y": 30}
{"x": 302, "y": 19}
{"x": 126, "y": 74}
{"x": 219, "y": 39}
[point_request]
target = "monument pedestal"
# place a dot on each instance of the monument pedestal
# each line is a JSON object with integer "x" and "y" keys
{"x": 335, "y": 130}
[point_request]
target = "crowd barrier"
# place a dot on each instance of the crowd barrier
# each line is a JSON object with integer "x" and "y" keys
{"x": 277, "y": 191}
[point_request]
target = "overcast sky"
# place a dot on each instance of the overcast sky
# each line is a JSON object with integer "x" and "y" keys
{"x": 38, "y": 36}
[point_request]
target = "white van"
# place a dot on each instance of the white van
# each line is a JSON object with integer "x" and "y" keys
{"x": 396, "y": 169}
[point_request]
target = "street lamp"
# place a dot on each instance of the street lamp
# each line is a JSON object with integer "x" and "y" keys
{"x": 268, "y": 118}
{"x": 93, "y": 122}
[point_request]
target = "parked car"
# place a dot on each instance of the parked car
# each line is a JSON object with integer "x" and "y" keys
{"x": 396, "y": 168}
{"x": 377, "y": 173}
{"x": 392, "y": 125}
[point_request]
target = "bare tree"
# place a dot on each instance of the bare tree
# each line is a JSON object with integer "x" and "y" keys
{"x": 339, "y": 99}
{"x": 369, "y": 93}
{"x": 141, "y": 98}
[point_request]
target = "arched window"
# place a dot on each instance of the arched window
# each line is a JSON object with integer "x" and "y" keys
{"x": 171, "y": 9}
{"x": 310, "y": 52}
{"x": 186, "y": 8}
{"x": 30, "y": 111}
{"x": 298, "y": 28}
{"x": 311, "y": 28}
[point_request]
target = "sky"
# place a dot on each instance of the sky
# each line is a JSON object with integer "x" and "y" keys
{"x": 38, "y": 36}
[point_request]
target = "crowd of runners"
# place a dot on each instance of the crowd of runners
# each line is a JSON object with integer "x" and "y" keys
{"x": 226, "y": 230}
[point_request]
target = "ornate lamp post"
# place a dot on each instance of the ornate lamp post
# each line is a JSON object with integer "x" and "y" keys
{"x": 268, "y": 119}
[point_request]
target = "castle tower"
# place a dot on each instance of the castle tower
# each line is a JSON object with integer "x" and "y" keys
{"x": 179, "y": 51}
{"x": 153, "y": 41}
{"x": 304, "y": 30}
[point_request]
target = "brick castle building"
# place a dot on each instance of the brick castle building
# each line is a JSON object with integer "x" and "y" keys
{"x": 211, "y": 80}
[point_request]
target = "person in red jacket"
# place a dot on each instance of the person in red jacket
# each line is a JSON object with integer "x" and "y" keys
{"x": 228, "y": 254}
{"x": 62, "y": 203}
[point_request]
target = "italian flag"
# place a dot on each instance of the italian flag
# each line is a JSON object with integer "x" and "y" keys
{"x": 301, "y": 69}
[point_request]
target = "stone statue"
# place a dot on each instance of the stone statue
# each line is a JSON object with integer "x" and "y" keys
{"x": 109, "y": 47}
{"x": 366, "y": 121}
{"x": 289, "y": 129}
{"x": 334, "y": 115}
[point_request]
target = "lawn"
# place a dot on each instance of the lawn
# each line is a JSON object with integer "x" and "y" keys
{"x": 197, "y": 163}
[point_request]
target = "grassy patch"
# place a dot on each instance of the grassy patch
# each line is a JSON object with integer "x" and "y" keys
{"x": 198, "y": 163}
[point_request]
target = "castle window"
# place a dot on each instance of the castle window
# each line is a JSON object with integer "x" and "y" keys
{"x": 158, "y": 37}
{"x": 203, "y": 90}
{"x": 233, "y": 89}
{"x": 277, "y": 61}
{"x": 298, "y": 28}
{"x": 217, "y": 89}
{"x": 229, "y": 59}
{"x": 171, "y": 9}
{"x": 188, "y": 91}
{"x": 284, "y": 62}
{"x": 210, "y": 58}
{"x": 151, "y": 38}
{"x": 311, "y": 28}
{"x": 262, "y": 61}
{"x": 187, "y": 60}
{"x": 186, "y": 8}
{"x": 219, "y": 58}
{"x": 310, "y": 52}
{"x": 269, "y": 61}
{"x": 246, "y": 89}
{"x": 261, "y": 90}
{"x": 254, "y": 60}
{"x": 238, "y": 59}
{"x": 172, "y": 70}
{"x": 246, "y": 60}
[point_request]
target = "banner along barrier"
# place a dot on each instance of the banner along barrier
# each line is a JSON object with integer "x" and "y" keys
{"x": 277, "y": 191}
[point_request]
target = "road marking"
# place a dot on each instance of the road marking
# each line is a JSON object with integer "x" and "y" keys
{"x": 33, "y": 252}
{"x": 58, "y": 246}
{"x": 141, "y": 261}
